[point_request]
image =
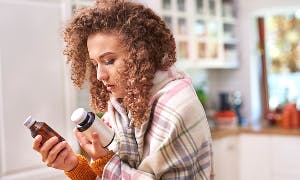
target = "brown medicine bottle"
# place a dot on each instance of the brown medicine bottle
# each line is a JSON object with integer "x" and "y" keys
{"x": 41, "y": 128}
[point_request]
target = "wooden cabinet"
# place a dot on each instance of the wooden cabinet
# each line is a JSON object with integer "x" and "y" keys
{"x": 204, "y": 31}
{"x": 225, "y": 151}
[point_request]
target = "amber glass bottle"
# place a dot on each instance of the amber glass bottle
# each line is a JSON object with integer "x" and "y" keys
{"x": 41, "y": 128}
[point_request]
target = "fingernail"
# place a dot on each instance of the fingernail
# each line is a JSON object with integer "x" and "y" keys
{"x": 54, "y": 138}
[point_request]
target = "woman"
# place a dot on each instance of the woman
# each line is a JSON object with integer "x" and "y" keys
{"x": 128, "y": 53}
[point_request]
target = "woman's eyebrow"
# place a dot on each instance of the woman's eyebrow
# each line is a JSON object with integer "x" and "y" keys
{"x": 105, "y": 54}
{"x": 102, "y": 56}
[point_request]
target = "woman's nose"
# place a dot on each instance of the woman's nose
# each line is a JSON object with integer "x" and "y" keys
{"x": 101, "y": 73}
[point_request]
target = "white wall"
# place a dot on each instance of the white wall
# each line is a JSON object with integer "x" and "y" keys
{"x": 246, "y": 77}
{"x": 33, "y": 82}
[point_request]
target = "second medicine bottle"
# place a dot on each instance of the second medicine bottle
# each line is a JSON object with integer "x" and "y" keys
{"x": 88, "y": 122}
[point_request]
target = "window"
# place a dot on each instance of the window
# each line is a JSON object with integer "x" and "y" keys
{"x": 280, "y": 47}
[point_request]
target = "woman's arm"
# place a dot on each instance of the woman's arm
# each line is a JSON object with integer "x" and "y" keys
{"x": 82, "y": 171}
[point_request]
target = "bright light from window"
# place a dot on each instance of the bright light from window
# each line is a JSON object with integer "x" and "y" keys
{"x": 273, "y": 102}
{"x": 297, "y": 14}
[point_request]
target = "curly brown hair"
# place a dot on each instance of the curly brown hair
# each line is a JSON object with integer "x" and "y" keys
{"x": 149, "y": 44}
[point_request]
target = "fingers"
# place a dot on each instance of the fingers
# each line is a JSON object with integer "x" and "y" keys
{"x": 98, "y": 150}
{"x": 93, "y": 147}
{"x": 49, "y": 144}
{"x": 55, "y": 151}
{"x": 96, "y": 140}
{"x": 37, "y": 143}
{"x": 81, "y": 138}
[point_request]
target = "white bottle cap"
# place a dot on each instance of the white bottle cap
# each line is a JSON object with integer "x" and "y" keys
{"x": 79, "y": 115}
{"x": 29, "y": 122}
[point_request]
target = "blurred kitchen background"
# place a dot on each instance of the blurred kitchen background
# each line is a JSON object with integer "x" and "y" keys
{"x": 243, "y": 56}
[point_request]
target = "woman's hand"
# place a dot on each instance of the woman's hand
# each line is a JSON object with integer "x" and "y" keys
{"x": 94, "y": 148}
{"x": 55, "y": 154}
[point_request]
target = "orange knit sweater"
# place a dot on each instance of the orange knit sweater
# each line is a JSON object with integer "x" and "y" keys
{"x": 86, "y": 171}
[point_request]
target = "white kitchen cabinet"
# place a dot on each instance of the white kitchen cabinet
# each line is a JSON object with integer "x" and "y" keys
{"x": 33, "y": 81}
{"x": 285, "y": 157}
{"x": 254, "y": 157}
{"x": 269, "y": 157}
{"x": 225, "y": 153}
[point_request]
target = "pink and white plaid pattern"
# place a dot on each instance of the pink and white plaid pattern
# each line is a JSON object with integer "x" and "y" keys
{"x": 125, "y": 138}
{"x": 174, "y": 144}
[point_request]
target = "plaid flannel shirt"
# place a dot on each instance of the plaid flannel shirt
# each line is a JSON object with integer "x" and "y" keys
{"x": 175, "y": 143}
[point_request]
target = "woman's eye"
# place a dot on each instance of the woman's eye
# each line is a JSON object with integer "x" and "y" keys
{"x": 110, "y": 61}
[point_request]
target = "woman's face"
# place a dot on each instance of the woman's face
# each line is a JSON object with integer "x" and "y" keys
{"x": 107, "y": 55}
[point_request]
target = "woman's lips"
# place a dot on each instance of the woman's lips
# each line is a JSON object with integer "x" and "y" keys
{"x": 109, "y": 87}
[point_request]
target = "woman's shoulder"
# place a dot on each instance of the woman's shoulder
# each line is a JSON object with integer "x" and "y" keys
{"x": 178, "y": 97}
{"x": 178, "y": 109}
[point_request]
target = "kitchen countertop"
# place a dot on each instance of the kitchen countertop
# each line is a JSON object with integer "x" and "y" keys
{"x": 219, "y": 133}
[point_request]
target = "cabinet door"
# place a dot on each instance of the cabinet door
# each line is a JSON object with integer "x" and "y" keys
{"x": 254, "y": 157}
{"x": 203, "y": 31}
{"x": 225, "y": 158}
{"x": 285, "y": 157}
{"x": 32, "y": 82}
